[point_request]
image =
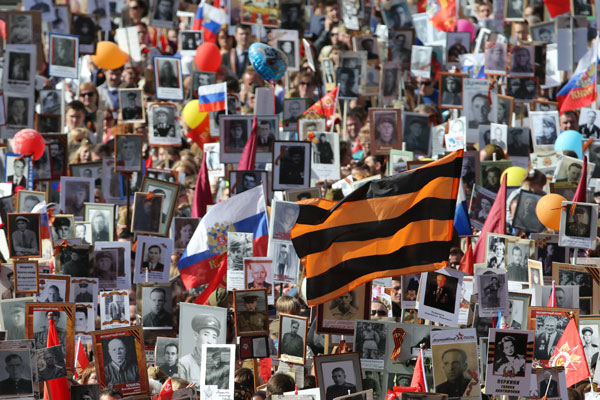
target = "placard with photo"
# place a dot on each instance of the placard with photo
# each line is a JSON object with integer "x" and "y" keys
{"x": 522, "y": 60}
{"x": 325, "y": 156}
{"x": 36, "y": 326}
{"x": 287, "y": 42}
{"x": 293, "y": 330}
{"x": 549, "y": 325}
{"x": 579, "y": 277}
{"x": 480, "y": 206}
{"x": 74, "y": 194}
{"x": 578, "y": 225}
{"x": 168, "y": 77}
{"x": 385, "y": 126}
{"x": 416, "y": 133}
{"x": 153, "y": 259}
{"x": 234, "y": 133}
{"x": 217, "y": 370}
{"x": 84, "y": 290}
{"x": 391, "y": 74}
{"x": 62, "y": 228}
{"x": 509, "y": 361}
{"x": 241, "y": 181}
{"x": 356, "y": 62}
{"x": 64, "y": 56}
{"x": 524, "y": 90}
{"x": 399, "y": 44}
{"x": 439, "y": 297}
{"x": 170, "y": 192}
{"x": 285, "y": 261}
{"x": 13, "y": 316}
{"x": 420, "y": 61}
{"x": 302, "y": 194}
{"x": 305, "y": 126}
{"x": 131, "y": 103}
{"x": 110, "y": 259}
{"x": 410, "y": 289}
{"x": 182, "y": 230}
{"x": 338, "y": 315}
{"x": 190, "y": 40}
{"x": 24, "y": 27}
{"x": 166, "y": 355}
{"x": 213, "y": 163}
{"x": 239, "y": 246}
{"x": 551, "y": 382}
{"x": 525, "y": 217}
{"x": 26, "y": 277}
{"x": 114, "y": 309}
{"x": 147, "y": 211}
{"x": 19, "y": 113}
{"x": 121, "y": 360}
{"x": 491, "y": 172}
{"x": 251, "y": 312}
{"x": 291, "y": 165}
{"x": 24, "y": 238}
{"x": 17, "y": 375}
{"x": 101, "y": 217}
{"x": 128, "y": 152}
{"x": 164, "y": 127}
{"x": 452, "y": 89}
{"x": 338, "y": 375}
{"x": 370, "y": 343}
{"x": 258, "y": 274}
{"x": 492, "y": 289}
{"x": 154, "y": 304}
{"x": 566, "y": 296}
{"x": 518, "y": 251}
{"x": 293, "y": 109}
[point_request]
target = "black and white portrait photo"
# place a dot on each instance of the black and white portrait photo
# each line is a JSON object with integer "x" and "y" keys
{"x": 513, "y": 10}
{"x": 128, "y": 152}
{"x": 42, "y": 169}
{"x": 285, "y": 262}
{"x": 183, "y": 229}
{"x": 289, "y": 48}
{"x": 416, "y": 133}
{"x": 152, "y": 259}
{"x": 291, "y": 165}
{"x": 338, "y": 375}
{"x": 50, "y": 363}
{"x": 156, "y": 307}
{"x": 64, "y": 51}
{"x": 218, "y": 368}
{"x": 82, "y": 290}
{"x": 40, "y": 327}
{"x": 50, "y": 101}
{"x": 549, "y": 329}
{"x": 566, "y": 296}
{"x": 396, "y": 15}
{"x": 518, "y": 141}
{"x": 85, "y": 392}
{"x": 166, "y": 355}
{"x": 522, "y": 60}
{"x": 322, "y": 150}
{"x": 390, "y": 77}
{"x": 190, "y": 40}
{"x": 516, "y": 259}
{"x": 114, "y": 309}
{"x": 347, "y": 80}
{"x": 131, "y": 103}
{"x": 589, "y": 123}
{"x": 292, "y": 110}
{"x": 399, "y": 44}
{"x": 105, "y": 267}
{"x": 291, "y": 15}
{"x": 100, "y": 219}
{"x": 146, "y": 212}
{"x": 48, "y": 124}
{"x": 13, "y": 316}
{"x": 491, "y": 172}
{"x": 420, "y": 61}
{"x": 44, "y": 6}
{"x": 457, "y": 43}
{"x": 17, "y": 170}
{"x": 19, "y": 66}
{"x": 498, "y": 135}
{"x": 17, "y": 110}
{"x": 492, "y": 288}
{"x": 20, "y": 28}
{"x": 581, "y": 8}
{"x": 440, "y": 291}
{"x": 24, "y": 235}
{"x": 76, "y": 192}
{"x": 15, "y": 372}
{"x": 63, "y": 228}
{"x": 162, "y": 13}
{"x": 163, "y": 126}
{"x": 27, "y": 199}
{"x": 62, "y": 22}
{"x": 201, "y": 78}
{"x": 452, "y": 89}
{"x": 509, "y": 355}
{"x": 544, "y": 128}
{"x": 370, "y": 339}
{"x": 578, "y": 223}
{"x": 384, "y": 130}
{"x": 525, "y": 217}
{"x": 240, "y": 181}
{"x": 120, "y": 361}
{"x": 495, "y": 58}
{"x": 167, "y": 71}
{"x": 283, "y": 220}
{"x": 544, "y": 32}
{"x": 239, "y": 246}
{"x": 234, "y": 132}
{"x": 292, "y": 338}
{"x": 85, "y": 27}
{"x": 522, "y": 89}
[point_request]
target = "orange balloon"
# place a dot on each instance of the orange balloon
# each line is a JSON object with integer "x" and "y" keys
{"x": 548, "y": 210}
{"x": 109, "y": 56}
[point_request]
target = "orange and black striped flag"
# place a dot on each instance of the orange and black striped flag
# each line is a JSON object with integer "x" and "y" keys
{"x": 393, "y": 226}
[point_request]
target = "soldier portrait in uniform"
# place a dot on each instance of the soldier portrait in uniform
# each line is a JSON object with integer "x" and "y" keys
{"x": 15, "y": 373}
{"x": 578, "y": 224}
{"x": 131, "y": 102}
{"x": 167, "y": 355}
{"x": 156, "y": 306}
{"x": 50, "y": 363}
{"x": 338, "y": 375}
{"x": 218, "y": 369}
{"x": 251, "y": 317}
{"x": 120, "y": 363}
{"x": 292, "y": 338}
{"x": 199, "y": 325}
{"x": 339, "y": 314}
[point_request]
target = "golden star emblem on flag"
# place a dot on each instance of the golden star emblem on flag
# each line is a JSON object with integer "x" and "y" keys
{"x": 567, "y": 358}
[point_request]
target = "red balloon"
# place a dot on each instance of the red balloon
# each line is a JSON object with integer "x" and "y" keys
{"x": 208, "y": 57}
{"x": 29, "y": 142}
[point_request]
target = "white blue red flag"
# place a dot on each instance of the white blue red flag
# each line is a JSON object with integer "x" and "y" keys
{"x": 212, "y": 97}
{"x": 209, "y": 19}
{"x": 462, "y": 223}
{"x": 244, "y": 212}
{"x": 580, "y": 91}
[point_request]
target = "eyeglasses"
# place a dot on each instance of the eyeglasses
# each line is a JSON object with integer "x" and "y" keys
{"x": 305, "y": 83}
{"x": 380, "y": 313}
{"x": 87, "y": 94}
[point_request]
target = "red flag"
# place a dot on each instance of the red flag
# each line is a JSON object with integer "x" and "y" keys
{"x": 443, "y": 15}
{"x": 418, "y": 378}
{"x": 557, "y": 7}
{"x": 202, "y": 194}
{"x": 81, "y": 360}
{"x": 495, "y": 223}
{"x": 57, "y": 389}
{"x": 569, "y": 353}
{"x": 581, "y": 192}
{"x": 247, "y": 162}
{"x": 166, "y": 393}
{"x": 466, "y": 262}
{"x": 218, "y": 279}
{"x": 326, "y": 105}
{"x": 357, "y": 146}
{"x": 552, "y": 299}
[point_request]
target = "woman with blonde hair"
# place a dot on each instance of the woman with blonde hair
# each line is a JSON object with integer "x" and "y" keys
{"x": 88, "y": 95}
{"x": 83, "y": 153}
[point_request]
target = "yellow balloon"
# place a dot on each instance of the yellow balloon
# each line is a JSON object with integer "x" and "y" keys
{"x": 515, "y": 176}
{"x": 109, "y": 56}
{"x": 192, "y": 116}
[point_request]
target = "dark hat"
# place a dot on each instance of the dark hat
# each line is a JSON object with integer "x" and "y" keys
{"x": 579, "y": 210}
{"x": 413, "y": 284}
{"x": 60, "y": 222}
{"x": 103, "y": 254}
{"x": 22, "y": 218}
{"x": 205, "y": 322}
{"x": 83, "y": 284}
{"x": 250, "y": 298}
{"x": 587, "y": 329}
{"x": 162, "y": 110}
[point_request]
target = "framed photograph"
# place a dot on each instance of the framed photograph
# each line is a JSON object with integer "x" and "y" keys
{"x": 166, "y": 355}
{"x": 524, "y": 90}
{"x": 85, "y": 27}
{"x": 26, "y": 277}
{"x": 518, "y": 142}
{"x": 234, "y": 132}
{"x": 258, "y": 274}
{"x": 581, "y": 8}
{"x": 356, "y": 61}
{"x": 525, "y": 217}
{"x": 24, "y": 27}
{"x": 64, "y": 55}
{"x": 302, "y": 194}
{"x": 390, "y": 78}
{"x": 27, "y": 199}
{"x": 385, "y": 132}
{"x": 217, "y": 370}
{"x": 50, "y": 102}
{"x": 328, "y": 74}
{"x": 293, "y": 109}
{"x": 109, "y": 264}
{"x": 114, "y": 309}
{"x": 74, "y": 194}
{"x": 48, "y": 123}
{"x": 325, "y": 156}
{"x": 163, "y": 124}
{"x": 577, "y": 276}
{"x": 36, "y": 326}
{"x": 457, "y": 43}
{"x": 182, "y": 230}
{"x": 544, "y": 32}
{"x": 492, "y": 289}
{"x": 24, "y": 235}
{"x": 504, "y": 110}
{"x": 170, "y": 192}
{"x": 346, "y": 79}
{"x": 509, "y": 355}
{"x": 162, "y": 13}
{"x": 101, "y": 217}
{"x": 240, "y": 181}
{"x": 58, "y": 154}
{"x": 167, "y": 76}
{"x": 121, "y": 360}
{"x": 513, "y": 10}
{"x": 291, "y": 165}
{"x": 480, "y": 206}
{"x": 495, "y": 58}
{"x": 549, "y": 325}
{"x": 18, "y": 171}
{"x": 202, "y": 78}
{"x": 267, "y": 128}
{"x": 491, "y": 171}
{"x": 190, "y": 40}
{"x": 17, "y": 111}
{"x": 63, "y": 228}
{"x": 251, "y": 312}
{"x": 439, "y": 300}
{"x": 13, "y": 315}
{"x": 452, "y": 89}
{"x": 147, "y": 211}
{"x": 522, "y": 60}
{"x": 578, "y": 227}
{"x": 88, "y": 170}
{"x": 156, "y": 308}
{"x": 372, "y": 83}
{"x": 338, "y": 375}
{"x": 370, "y": 343}
{"x": 153, "y": 259}
{"x": 132, "y": 107}
{"x": 198, "y": 325}
{"x": 17, "y": 363}
{"x": 54, "y": 288}
{"x": 399, "y": 44}
{"x": 128, "y": 152}
{"x": 305, "y": 126}
{"x": 338, "y": 315}
{"x": 292, "y": 338}
{"x": 548, "y": 251}
{"x": 416, "y": 133}
{"x": 535, "y": 273}
{"x": 519, "y": 303}
{"x": 518, "y": 251}
{"x": 288, "y": 44}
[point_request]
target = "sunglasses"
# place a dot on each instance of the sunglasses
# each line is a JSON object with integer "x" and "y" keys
{"x": 380, "y": 313}
{"x": 87, "y": 94}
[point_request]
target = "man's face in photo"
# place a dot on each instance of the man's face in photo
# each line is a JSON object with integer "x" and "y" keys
{"x": 248, "y": 181}
{"x": 117, "y": 351}
{"x": 454, "y": 365}
{"x": 14, "y": 368}
{"x": 339, "y": 377}
{"x": 157, "y": 301}
{"x": 19, "y": 168}
{"x": 154, "y": 254}
{"x": 171, "y": 355}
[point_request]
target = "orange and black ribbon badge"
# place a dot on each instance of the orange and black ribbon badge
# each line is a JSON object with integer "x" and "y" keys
{"x": 398, "y": 336}
{"x": 64, "y": 244}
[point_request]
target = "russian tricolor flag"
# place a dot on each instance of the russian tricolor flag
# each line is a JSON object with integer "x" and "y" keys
{"x": 580, "y": 90}
{"x": 244, "y": 212}
{"x": 210, "y": 19}
{"x": 462, "y": 223}
{"x": 212, "y": 97}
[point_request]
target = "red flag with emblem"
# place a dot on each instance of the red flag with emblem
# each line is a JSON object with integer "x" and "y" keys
{"x": 418, "y": 378}
{"x": 81, "y": 360}
{"x": 166, "y": 393}
{"x": 325, "y": 106}
{"x": 55, "y": 389}
{"x": 443, "y": 14}
{"x": 569, "y": 353}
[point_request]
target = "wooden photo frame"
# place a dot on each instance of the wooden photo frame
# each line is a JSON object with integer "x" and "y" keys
{"x": 24, "y": 241}
{"x": 251, "y": 312}
{"x": 386, "y": 132}
{"x": 580, "y": 276}
{"x": 329, "y": 365}
{"x": 331, "y": 318}
{"x": 170, "y": 191}
{"x": 293, "y": 330}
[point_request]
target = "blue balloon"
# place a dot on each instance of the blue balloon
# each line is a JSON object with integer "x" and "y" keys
{"x": 269, "y": 62}
{"x": 570, "y": 140}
